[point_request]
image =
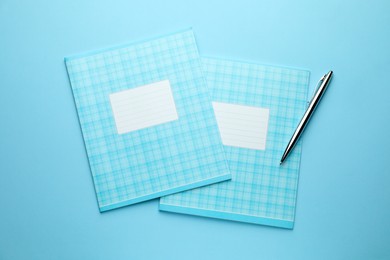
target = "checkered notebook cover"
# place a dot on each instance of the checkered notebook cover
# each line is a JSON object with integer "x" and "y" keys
{"x": 147, "y": 120}
{"x": 261, "y": 191}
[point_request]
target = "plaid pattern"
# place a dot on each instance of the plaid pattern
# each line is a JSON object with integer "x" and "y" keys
{"x": 261, "y": 191}
{"x": 155, "y": 161}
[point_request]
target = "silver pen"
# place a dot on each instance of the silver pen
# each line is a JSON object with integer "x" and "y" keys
{"x": 322, "y": 85}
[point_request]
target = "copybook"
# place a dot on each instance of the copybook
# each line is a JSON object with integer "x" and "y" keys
{"x": 257, "y": 108}
{"x": 147, "y": 120}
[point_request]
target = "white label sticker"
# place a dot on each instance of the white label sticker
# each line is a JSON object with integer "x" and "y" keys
{"x": 242, "y": 126}
{"x": 144, "y": 106}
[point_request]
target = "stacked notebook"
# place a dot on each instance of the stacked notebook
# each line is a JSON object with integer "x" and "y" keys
{"x": 204, "y": 134}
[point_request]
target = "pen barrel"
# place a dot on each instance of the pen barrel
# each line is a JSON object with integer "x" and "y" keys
{"x": 317, "y": 97}
{"x": 309, "y": 112}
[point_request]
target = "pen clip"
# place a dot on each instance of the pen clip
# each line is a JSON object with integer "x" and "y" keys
{"x": 318, "y": 86}
{"x": 319, "y": 83}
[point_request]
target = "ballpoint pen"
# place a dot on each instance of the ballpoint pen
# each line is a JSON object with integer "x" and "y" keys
{"x": 322, "y": 85}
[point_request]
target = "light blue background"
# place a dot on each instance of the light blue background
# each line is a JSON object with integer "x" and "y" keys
{"x": 48, "y": 204}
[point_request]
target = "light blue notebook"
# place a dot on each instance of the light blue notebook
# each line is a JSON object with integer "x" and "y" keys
{"x": 147, "y": 120}
{"x": 257, "y": 109}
